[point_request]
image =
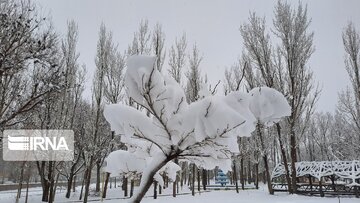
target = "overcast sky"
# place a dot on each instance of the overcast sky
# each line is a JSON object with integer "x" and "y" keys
{"x": 214, "y": 26}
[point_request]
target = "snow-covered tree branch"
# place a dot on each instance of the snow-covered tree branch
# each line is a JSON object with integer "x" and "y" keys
{"x": 204, "y": 131}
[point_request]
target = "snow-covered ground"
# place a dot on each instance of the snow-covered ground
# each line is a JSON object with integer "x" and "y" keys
{"x": 248, "y": 196}
{"x": 115, "y": 195}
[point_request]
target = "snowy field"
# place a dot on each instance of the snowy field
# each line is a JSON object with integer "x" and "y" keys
{"x": 230, "y": 196}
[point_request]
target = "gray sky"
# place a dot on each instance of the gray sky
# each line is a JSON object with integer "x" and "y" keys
{"x": 214, "y": 26}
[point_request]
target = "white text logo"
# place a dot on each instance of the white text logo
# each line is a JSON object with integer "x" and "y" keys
{"x": 37, "y": 143}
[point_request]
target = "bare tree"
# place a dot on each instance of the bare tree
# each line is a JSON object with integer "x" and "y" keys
{"x": 349, "y": 104}
{"x": 324, "y": 135}
{"x": 295, "y": 49}
{"x": 158, "y": 41}
{"x": 258, "y": 48}
{"x": 348, "y": 109}
{"x": 234, "y": 77}
{"x": 259, "y": 51}
{"x": 114, "y": 85}
{"x": 194, "y": 75}
{"x": 114, "y": 78}
{"x": 70, "y": 107}
{"x": 177, "y": 58}
{"x": 95, "y": 153}
{"x": 141, "y": 44}
{"x": 60, "y": 112}
{"x": 29, "y": 65}
{"x": 34, "y": 80}
{"x": 346, "y": 141}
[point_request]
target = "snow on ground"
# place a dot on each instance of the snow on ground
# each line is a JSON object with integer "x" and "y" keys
{"x": 115, "y": 195}
{"x": 247, "y": 196}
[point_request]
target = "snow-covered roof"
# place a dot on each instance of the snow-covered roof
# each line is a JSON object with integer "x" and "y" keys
{"x": 342, "y": 169}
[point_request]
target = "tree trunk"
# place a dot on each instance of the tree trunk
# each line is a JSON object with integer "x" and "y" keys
{"x": 155, "y": 190}
{"x": 242, "y": 177}
{"x": 74, "y": 184}
{"x": 267, "y": 175}
{"x": 167, "y": 181}
{"x": 45, "y": 195}
{"x": 257, "y": 175}
{"x": 53, "y": 190}
{"x": 45, "y": 184}
{"x": 177, "y": 187}
{"x": 98, "y": 178}
{"x": 244, "y": 169}
{"x": 108, "y": 174}
{"x": 69, "y": 184}
{"x": 189, "y": 175}
{"x": 265, "y": 158}
{"x": 283, "y": 155}
{"x": 293, "y": 160}
{"x": 110, "y": 179}
{"x": 88, "y": 180}
{"x": 21, "y": 178}
{"x": 198, "y": 179}
{"x": 249, "y": 171}
{"x": 321, "y": 188}
{"x": 263, "y": 175}
{"x": 176, "y": 180}
{"x": 147, "y": 180}
{"x": 204, "y": 178}
{"x": 27, "y": 189}
{"x": 174, "y": 189}
{"x": 182, "y": 177}
{"x": 208, "y": 176}
{"x": 106, "y": 184}
{"x": 125, "y": 186}
{"x": 186, "y": 171}
{"x": 193, "y": 180}
{"x": 50, "y": 189}
{"x": 132, "y": 184}
{"x": 235, "y": 177}
{"x": 82, "y": 184}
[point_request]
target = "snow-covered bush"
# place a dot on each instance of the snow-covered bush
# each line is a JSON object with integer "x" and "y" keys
{"x": 167, "y": 127}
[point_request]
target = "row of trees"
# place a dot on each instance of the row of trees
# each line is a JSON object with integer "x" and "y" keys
{"x": 305, "y": 135}
{"x": 42, "y": 84}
